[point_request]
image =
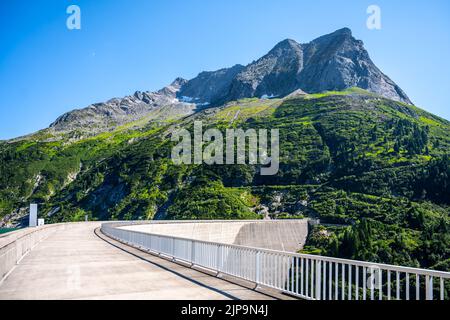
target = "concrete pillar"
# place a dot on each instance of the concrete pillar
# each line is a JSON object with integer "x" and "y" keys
{"x": 32, "y": 222}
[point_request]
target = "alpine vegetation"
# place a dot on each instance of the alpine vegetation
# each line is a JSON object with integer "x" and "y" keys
{"x": 208, "y": 147}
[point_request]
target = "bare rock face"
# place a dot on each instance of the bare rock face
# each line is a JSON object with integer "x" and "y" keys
{"x": 336, "y": 61}
{"x": 275, "y": 74}
{"x": 118, "y": 111}
{"x": 209, "y": 86}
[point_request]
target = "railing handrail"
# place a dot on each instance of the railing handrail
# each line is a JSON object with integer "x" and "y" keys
{"x": 389, "y": 267}
{"x": 154, "y": 222}
{"x": 13, "y": 236}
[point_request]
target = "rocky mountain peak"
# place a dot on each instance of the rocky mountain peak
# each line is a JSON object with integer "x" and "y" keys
{"x": 341, "y": 32}
{"x": 179, "y": 82}
{"x": 287, "y": 44}
{"x": 172, "y": 89}
{"x": 335, "y": 61}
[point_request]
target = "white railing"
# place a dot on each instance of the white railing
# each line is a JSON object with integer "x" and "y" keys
{"x": 301, "y": 275}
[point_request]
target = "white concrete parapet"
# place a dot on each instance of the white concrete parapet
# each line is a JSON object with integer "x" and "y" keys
{"x": 284, "y": 235}
{"x": 14, "y": 245}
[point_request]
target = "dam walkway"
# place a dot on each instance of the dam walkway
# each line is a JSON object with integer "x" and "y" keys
{"x": 79, "y": 262}
{"x": 248, "y": 260}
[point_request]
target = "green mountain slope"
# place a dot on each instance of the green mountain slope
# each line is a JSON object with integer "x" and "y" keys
{"x": 375, "y": 172}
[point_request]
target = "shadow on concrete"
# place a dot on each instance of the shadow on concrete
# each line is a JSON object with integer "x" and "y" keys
{"x": 128, "y": 249}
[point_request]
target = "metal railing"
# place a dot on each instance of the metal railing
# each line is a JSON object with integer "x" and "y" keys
{"x": 301, "y": 275}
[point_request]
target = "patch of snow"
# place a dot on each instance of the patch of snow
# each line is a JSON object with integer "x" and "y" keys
{"x": 266, "y": 96}
{"x": 187, "y": 99}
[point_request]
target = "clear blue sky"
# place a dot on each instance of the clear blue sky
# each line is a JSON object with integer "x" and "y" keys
{"x": 129, "y": 45}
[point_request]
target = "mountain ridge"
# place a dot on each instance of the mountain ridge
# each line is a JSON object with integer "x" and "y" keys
{"x": 336, "y": 61}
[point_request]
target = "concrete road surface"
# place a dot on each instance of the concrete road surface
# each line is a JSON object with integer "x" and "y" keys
{"x": 81, "y": 263}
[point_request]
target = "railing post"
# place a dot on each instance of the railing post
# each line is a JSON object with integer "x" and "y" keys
{"x": 258, "y": 268}
{"x": 429, "y": 287}
{"x": 318, "y": 279}
{"x": 219, "y": 258}
{"x": 192, "y": 252}
{"x": 173, "y": 248}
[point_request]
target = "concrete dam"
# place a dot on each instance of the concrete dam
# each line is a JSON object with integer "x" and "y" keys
{"x": 281, "y": 235}
{"x": 239, "y": 260}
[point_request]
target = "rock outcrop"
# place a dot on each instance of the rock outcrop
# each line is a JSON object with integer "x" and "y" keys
{"x": 336, "y": 61}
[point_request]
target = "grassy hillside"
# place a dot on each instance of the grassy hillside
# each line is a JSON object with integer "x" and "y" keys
{"x": 376, "y": 172}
